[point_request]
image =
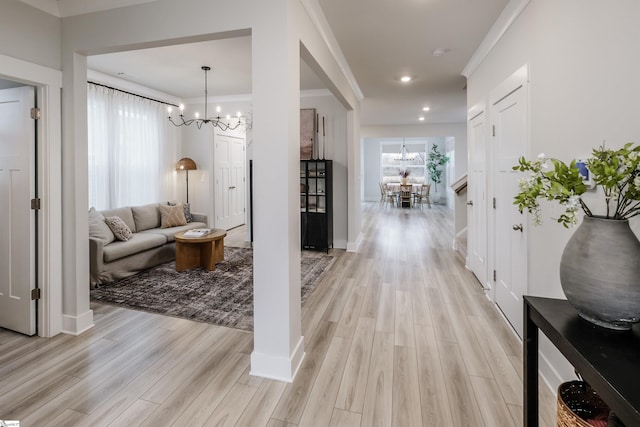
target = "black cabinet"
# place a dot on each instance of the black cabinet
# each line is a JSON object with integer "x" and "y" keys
{"x": 316, "y": 204}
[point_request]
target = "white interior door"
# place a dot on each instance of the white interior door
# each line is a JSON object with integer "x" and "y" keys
{"x": 477, "y": 204}
{"x": 230, "y": 181}
{"x": 510, "y": 121}
{"x": 17, "y": 224}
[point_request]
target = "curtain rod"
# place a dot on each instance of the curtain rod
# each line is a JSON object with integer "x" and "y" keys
{"x": 134, "y": 94}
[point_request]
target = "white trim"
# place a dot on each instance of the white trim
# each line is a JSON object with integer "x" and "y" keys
{"x": 508, "y": 16}
{"x": 48, "y": 82}
{"x": 278, "y": 368}
{"x": 320, "y": 21}
{"x": 355, "y": 246}
{"x": 340, "y": 244}
{"x": 518, "y": 79}
{"x": 75, "y": 325}
{"x": 311, "y": 93}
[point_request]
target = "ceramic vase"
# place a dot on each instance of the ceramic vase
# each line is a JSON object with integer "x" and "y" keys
{"x": 600, "y": 272}
{"x": 404, "y": 181}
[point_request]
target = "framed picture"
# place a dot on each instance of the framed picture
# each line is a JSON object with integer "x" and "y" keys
{"x": 308, "y": 128}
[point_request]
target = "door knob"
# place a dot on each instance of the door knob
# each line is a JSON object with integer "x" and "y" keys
{"x": 518, "y": 227}
{"x": 470, "y": 203}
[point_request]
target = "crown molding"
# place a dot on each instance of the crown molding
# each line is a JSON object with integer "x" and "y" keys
{"x": 508, "y": 16}
{"x": 320, "y": 21}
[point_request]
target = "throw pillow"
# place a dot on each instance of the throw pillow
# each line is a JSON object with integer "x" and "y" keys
{"x": 187, "y": 210}
{"x": 98, "y": 228}
{"x": 119, "y": 228}
{"x": 171, "y": 216}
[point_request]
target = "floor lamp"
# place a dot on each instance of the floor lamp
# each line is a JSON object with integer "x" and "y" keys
{"x": 186, "y": 164}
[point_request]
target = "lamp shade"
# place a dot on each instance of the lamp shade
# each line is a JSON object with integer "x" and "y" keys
{"x": 186, "y": 164}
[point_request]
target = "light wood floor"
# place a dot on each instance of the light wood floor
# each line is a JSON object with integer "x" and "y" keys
{"x": 398, "y": 334}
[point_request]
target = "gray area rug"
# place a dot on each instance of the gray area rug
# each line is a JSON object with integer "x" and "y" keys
{"x": 222, "y": 297}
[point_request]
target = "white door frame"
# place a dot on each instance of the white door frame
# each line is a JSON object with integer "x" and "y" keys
{"x": 48, "y": 83}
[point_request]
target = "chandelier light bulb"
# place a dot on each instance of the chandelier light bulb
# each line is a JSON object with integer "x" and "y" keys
{"x": 181, "y": 108}
{"x": 228, "y": 116}
{"x": 169, "y": 110}
{"x": 218, "y": 109}
{"x": 425, "y": 108}
{"x": 405, "y": 79}
{"x": 197, "y": 115}
{"x": 239, "y": 114}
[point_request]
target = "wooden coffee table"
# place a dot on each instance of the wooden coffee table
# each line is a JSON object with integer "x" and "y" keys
{"x": 203, "y": 251}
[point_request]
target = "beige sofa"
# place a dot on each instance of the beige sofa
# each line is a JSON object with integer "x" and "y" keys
{"x": 150, "y": 245}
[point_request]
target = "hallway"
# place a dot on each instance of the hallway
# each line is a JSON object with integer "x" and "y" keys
{"x": 398, "y": 334}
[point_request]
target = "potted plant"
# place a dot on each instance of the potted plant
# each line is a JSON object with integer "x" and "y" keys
{"x": 404, "y": 174}
{"x": 599, "y": 268}
{"x": 435, "y": 161}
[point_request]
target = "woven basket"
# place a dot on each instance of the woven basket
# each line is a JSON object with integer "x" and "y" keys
{"x": 578, "y": 402}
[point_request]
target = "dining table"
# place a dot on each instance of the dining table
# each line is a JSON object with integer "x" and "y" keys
{"x": 394, "y": 187}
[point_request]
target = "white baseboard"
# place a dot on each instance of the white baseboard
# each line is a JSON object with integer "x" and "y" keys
{"x": 354, "y": 246}
{"x": 340, "y": 244}
{"x": 278, "y": 368}
{"x": 75, "y": 325}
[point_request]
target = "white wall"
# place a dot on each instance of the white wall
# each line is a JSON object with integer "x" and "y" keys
{"x": 584, "y": 88}
{"x": 30, "y": 34}
{"x": 327, "y": 106}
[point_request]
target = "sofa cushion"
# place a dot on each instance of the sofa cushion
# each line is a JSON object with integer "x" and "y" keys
{"x": 138, "y": 243}
{"x": 124, "y": 214}
{"x": 98, "y": 228}
{"x": 146, "y": 216}
{"x": 119, "y": 228}
{"x": 172, "y": 216}
{"x": 187, "y": 210}
{"x": 168, "y": 233}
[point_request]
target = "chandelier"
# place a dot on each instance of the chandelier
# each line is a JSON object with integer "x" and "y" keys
{"x": 215, "y": 122}
{"x": 405, "y": 155}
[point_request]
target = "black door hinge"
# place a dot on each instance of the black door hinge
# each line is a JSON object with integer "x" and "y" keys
{"x": 35, "y": 294}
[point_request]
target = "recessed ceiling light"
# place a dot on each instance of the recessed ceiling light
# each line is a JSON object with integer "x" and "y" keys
{"x": 425, "y": 108}
{"x": 421, "y": 118}
{"x": 405, "y": 79}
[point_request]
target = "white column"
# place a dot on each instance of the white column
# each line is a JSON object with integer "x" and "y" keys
{"x": 278, "y": 343}
{"x": 354, "y": 181}
{"x": 77, "y": 315}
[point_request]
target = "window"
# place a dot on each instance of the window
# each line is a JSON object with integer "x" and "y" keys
{"x": 129, "y": 149}
{"x": 391, "y": 160}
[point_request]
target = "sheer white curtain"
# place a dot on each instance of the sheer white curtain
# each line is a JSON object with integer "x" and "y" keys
{"x": 132, "y": 150}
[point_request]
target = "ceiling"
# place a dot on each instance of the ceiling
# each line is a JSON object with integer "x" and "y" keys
{"x": 382, "y": 40}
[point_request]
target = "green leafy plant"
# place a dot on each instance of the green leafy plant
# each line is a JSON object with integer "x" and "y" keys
{"x": 435, "y": 160}
{"x": 404, "y": 172}
{"x": 615, "y": 172}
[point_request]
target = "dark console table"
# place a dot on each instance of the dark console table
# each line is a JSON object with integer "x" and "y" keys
{"x": 608, "y": 360}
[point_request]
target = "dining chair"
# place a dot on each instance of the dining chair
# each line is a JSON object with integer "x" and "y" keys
{"x": 422, "y": 195}
{"x": 387, "y": 195}
{"x": 406, "y": 196}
